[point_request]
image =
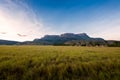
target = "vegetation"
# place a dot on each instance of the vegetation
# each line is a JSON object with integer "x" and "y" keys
{"x": 59, "y": 63}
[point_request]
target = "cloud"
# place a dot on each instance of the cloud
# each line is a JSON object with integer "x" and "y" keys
{"x": 20, "y": 35}
{"x": 18, "y": 17}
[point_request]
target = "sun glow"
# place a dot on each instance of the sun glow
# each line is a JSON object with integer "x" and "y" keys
{"x": 18, "y": 18}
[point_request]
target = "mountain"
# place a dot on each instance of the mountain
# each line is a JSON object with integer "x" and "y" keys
{"x": 7, "y": 42}
{"x": 68, "y": 39}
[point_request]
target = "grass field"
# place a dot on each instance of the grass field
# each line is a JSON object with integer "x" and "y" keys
{"x": 59, "y": 63}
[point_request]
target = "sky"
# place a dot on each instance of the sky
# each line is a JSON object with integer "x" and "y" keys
{"x": 25, "y": 20}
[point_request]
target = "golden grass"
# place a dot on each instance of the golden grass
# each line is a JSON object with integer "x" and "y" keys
{"x": 59, "y": 63}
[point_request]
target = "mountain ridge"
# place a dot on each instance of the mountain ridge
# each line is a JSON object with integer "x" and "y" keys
{"x": 60, "y": 39}
{"x": 8, "y": 42}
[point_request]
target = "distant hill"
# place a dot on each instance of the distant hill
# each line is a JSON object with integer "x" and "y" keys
{"x": 7, "y": 42}
{"x": 67, "y": 39}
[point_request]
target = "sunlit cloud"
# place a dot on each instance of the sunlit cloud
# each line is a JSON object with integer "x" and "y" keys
{"x": 17, "y": 17}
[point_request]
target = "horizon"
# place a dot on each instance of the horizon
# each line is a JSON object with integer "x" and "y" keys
{"x": 59, "y": 35}
{"x": 25, "y": 20}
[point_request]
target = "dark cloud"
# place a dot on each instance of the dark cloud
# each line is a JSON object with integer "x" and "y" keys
{"x": 20, "y": 35}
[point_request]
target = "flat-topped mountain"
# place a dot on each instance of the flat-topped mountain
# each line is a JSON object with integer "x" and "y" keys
{"x": 67, "y": 37}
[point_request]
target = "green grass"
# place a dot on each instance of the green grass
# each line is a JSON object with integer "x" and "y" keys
{"x": 59, "y": 63}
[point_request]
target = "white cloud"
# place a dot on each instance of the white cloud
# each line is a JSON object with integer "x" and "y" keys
{"x": 17, "y": 17}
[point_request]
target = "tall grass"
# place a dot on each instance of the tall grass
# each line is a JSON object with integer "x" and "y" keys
{"x": 59, "y": 63}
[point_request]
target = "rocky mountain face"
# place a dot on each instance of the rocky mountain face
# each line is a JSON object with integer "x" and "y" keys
{"x": 69, "y": 39}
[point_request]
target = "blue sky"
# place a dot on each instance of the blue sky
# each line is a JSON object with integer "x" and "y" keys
{"x": 28, "y": 19}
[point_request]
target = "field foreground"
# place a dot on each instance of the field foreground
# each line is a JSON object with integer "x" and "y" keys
{"x": 59, "y": 63}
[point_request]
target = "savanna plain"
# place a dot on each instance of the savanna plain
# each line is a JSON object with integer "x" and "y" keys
{"x": 59, "y": 63}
